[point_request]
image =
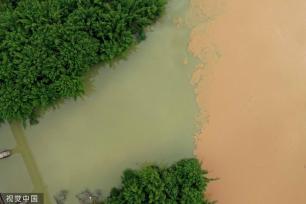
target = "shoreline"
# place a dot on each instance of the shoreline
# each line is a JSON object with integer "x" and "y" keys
{"x": 251, "y": 88}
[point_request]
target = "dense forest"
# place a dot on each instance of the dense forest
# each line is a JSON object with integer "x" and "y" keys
{"x": 47, "y": 47}
{"x": 182, "y": 183}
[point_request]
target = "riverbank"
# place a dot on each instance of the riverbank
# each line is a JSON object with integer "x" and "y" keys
{"x": 252, "y": 89}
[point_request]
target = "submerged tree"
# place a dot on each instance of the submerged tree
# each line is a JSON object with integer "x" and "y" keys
{"x": 88, "y": 197}
{"x": 47, "y": 46}
{"x": 61, "y": 197}
{"x": 184, "y": 182}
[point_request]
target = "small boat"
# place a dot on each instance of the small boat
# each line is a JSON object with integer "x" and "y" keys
{"x": 5, "y": 153}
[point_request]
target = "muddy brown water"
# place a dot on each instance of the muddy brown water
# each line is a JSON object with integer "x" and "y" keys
{"x": 252, "y": 88}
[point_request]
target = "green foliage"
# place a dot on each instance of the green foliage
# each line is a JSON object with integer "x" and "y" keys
{"x": 47, "y": 46}
{"x": 182, "y": 183}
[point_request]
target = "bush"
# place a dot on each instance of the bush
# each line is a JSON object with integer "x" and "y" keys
{"x": 47, "y": 46}
{"x": 182, "y": 183}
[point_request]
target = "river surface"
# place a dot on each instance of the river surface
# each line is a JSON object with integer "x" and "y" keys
{"x": 140, "y": 110}
{"x": 252, "y": 86}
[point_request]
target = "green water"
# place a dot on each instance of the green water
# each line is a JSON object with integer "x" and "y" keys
{"x": 143, "y": 109}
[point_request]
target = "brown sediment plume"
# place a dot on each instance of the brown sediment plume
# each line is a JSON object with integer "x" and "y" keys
{"x": 252, "y": 87}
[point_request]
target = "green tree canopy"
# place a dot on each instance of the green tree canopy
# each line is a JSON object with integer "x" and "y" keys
{"x": 47, "y": 46}
{"x": 182, "y": 183}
